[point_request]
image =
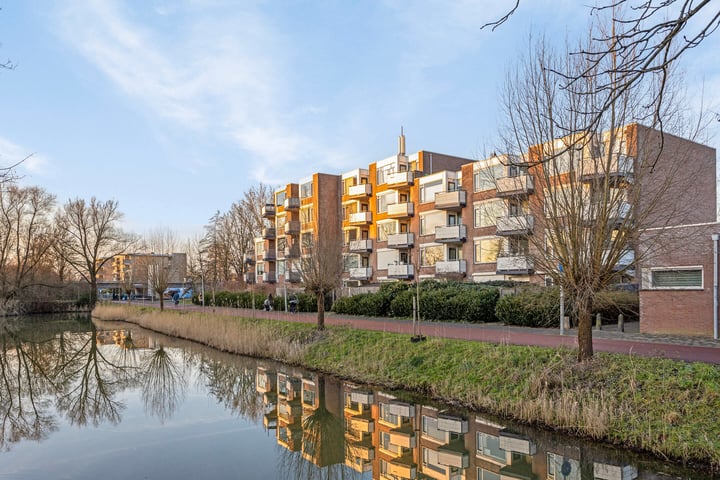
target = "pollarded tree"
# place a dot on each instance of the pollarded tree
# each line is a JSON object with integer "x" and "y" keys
{"x": 160, "y": 265}
{"x": 91, "y": 237}
{"x": 594, "y": 189}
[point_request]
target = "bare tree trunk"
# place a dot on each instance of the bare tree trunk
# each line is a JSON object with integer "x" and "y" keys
{"x": 585, "y": 343}
{"x": 321, "y": 311}
{"x": 162, "y": 302}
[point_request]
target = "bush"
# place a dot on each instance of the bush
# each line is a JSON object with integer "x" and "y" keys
{"x": 611, "y": 303}
{"x": 532, "y": 307}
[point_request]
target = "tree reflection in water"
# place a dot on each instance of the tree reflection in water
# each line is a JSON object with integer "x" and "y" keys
{"x": 163, "y": 384}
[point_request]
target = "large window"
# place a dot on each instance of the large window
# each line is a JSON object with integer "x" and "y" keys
{"x": 429, "y": 221}
{"x": 306, "y": 214}
{"x": 486, "y": 250}
{"x": 306, "y": 190}
{"x": 489, "y": 446}
{"x": 486, "y": 178}
{"x": 486, "y": 213}
{"x": 677, "y": 278}
{"x": 350, "y": 261}
{"x": 387, "y": 257}
{"x": 429, "y": 256}
{"x": 428, "y": 190}
{"x": 386, "y": 228}
{"x": 384, "y": 200}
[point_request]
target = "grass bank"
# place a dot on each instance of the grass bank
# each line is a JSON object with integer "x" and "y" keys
{"x": 661, "y": 406}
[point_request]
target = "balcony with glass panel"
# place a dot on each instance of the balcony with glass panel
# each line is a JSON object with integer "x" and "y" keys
{"x": 514, "y": 265}
{"x": 268, "y": 233}
{"x": 400, "y": 179}
{"x": 292, "y": 203}
{"x": 401, "y": 240}
{"x": 292, "y": 276}
{"x": 620, "y": 167}
{"x": 511, "y": 186}
{"x": 269, "y": 277}
{"x": 360, "y": 218}
{"x": 362, "y": 190}
{"x": 292, "y": 251}
{"x": 360, "y": 246}
{"x": 269, "y": 255}
{"x": 401, "y": 271}
{"x": 510, "y": 225}
{"x": 451, "y": 267}
{"x": 454, "y": 200}
{"x": 401, "y": 210}
{"x": 268, "y": 210}
{"x": 361, "y": 273}
{"x": 292, "y": 227}
{"x": 451, "y": 233}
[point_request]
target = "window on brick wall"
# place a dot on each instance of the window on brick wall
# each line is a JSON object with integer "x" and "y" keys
{"x": 676, "y": 278}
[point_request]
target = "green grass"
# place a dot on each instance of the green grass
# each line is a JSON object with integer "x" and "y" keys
{"x": 662, "y": 406}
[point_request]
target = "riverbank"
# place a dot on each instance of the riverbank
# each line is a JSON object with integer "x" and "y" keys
{"x": 665, "y": 407}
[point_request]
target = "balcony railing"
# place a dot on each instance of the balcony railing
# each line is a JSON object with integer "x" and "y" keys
{"x": 361, "y": 273}
{"x": 268, "y": 233}
{"x": 615, "y": 214}
{"x": 451, "y": 267}
{"x": 451, "y": 234}
{"x": 360, "y": 218}
{"x": 360, "y": 424}
{"x": 514, "y": 265}
{"x": 401, "y": 210}
{"x": 360, "y": 246}
{"x": 401, "y": 240}
{"x": 292, "y": 251}
{"x": 520, "y": 185}
{"x": 250, "y": 277}
{"x": 268, "y": 210}
{"x": 292, "y": 227}
{"x": 399, "y": 179}
{"x": 269, "y": 277}
{"x": 362, "y": 190}
{"x": 269, "y": 255}
{"x": 292, "y": 203}
{"x": 402, "y": 271}
{"x": 515, "y": 225}
{"x": 620, "y": 166}
{"x": 292, "y": 276}
{"x": 454, "y": 200}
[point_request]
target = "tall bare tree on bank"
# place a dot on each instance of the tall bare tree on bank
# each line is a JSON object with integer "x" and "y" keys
{"x": 654, "y": 35}
{"x": 91, "y": 237}
{"x": 159, "y": 265}
{"x": 321, "y": 266}
{"x": 26, "y": 240}
{"x": 595, "y": 189}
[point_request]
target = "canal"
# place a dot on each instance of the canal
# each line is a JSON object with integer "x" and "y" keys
{"x": 83, "y": 400}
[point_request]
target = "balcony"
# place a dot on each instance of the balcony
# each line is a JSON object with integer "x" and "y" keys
{"x": 269, "y": 255}
{"x": 454, "y": 200}
{"x": 360, "y": 218}
{"x": 400, "y": 469}
{"x": 361, "y": 273}
{"x": 364, "y": 398}
{"x": 402, "y": 272}
{"x": 514, "y": 265}
{"x": 453, "y": 457}
{"x": 268, "y": 233}
{"x": 400, "y": 179}
{"x": 615, "y": 213}
{"x": 360, "y": 246}
{"x": 403, "y": 437}
{"x": 619, "y": 168}
{"x": 359, "y": 191}
{"x": 268, "y": 210}
{"x": 401, "y": 210}
{"x": 361, "y": 424}
{"x": 511, "y": 186}
{"x": 451, "y": 234}
{"x": 292, "y": 227}
{"x": 292, "y": 276}
{"x": 292, "y": 251}
{"x": 250, "y": 277}
{"x": 292, "y": 203}
{"x": 269, "y": 277}
{"x": 515, "y": 225}
{"x": 401, "y": 240}
{"x": 451, "y": 267}
{"x": 453, "y": 424}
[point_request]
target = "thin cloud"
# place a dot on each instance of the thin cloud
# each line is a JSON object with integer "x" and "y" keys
{"x": 24, "y": 159}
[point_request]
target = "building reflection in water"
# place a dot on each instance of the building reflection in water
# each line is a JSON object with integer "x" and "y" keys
{"x": 386, "y": 438}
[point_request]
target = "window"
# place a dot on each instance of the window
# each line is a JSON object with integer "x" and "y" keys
{"x": 486, "y": 213}
{"x": 429, "y": 189}
{"x": 350, "y": 261}
{"x": 385, "y": 229}
{"x": 429, "y": 221}
{"x": 306, "y": 214}
{"x": 678, "y": 278}
{"x": 280, "y": 199}
{"x": 429, "y": 429}
{"x": 383, "y": 201}
{"x": 429, "y": 256}
{"x": 306, "y": 190}
{"x": 486, "y": 250}
{"x": 487, "y": 475}
{"x": 387, "y": 257}
{"x": 486, "y": 178}
{"x": 489, "y": 446}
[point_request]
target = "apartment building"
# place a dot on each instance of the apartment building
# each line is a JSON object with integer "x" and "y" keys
{"x": 130, "y": 272}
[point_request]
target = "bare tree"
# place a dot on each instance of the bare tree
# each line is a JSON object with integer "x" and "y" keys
{"x": 321, "y": 266}
{"x": 91, "y": 237}
{"x": 160, "y": 266}
{"x": 594, "y": 189}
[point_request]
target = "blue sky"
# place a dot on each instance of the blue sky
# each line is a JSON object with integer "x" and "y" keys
{"x": 175, "y": 108}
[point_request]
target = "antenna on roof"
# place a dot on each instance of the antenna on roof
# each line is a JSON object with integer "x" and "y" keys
{"x": 401, "y": 142}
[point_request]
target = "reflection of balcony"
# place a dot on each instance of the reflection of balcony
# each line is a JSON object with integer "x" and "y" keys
{"x": 401, "y": 210}
{"x": 360, "y": 218}
{"x": 451, "y": 234}
{"x": 360, "y": 246}
{"x": 360, "y": 424}
{"x": 405, "y": 271}
{"x": 292, "y": 276}
{"x": 358, "y": 191}
{"x": 292, "y": 251}
{"x": 454, "y": 455}
{"x": 269, "y": 255}
{"x": 361, "y": 273}
{"x": 403, "y": 437}
{"x": 515, "y": 225}
{"x": 401, "y": 240}
{"x": 268, "y": 210}
{"x": 269, "y": 277}
{"x": 401, "y": 468}
{"x": 400, "y": 179}
{"x": 447, "y": 423}
{"x": 512, "y": 442}
{"x": 268, "y": 233}
{"x": 292, "y": 227}
{"x": 619, "y": 167}
{"x": 520, "y": 185}
{"x": 451, "y": 267}
{"x": 292, "y": 203}
{"x": 454, "y": 200}
{"x": 514, "y": 265}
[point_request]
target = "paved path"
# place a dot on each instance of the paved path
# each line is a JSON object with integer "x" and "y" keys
{"x": 701, "y": 349}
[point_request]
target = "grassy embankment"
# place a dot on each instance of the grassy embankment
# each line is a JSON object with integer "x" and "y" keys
{"x": 662, "y": 406}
